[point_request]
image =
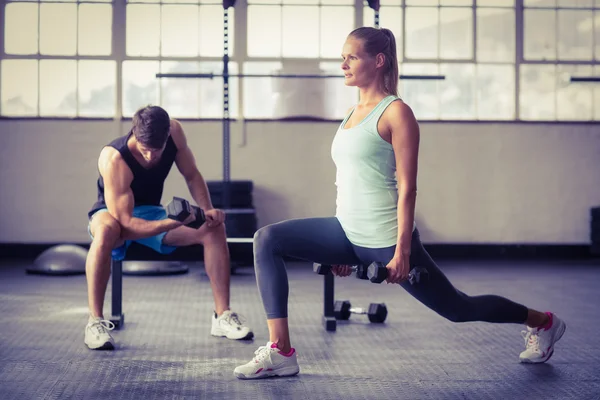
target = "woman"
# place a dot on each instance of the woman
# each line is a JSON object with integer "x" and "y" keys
{"x": 376, "y": 154}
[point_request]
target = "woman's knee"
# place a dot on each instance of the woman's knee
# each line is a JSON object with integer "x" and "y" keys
{"x": 264, "y": 236}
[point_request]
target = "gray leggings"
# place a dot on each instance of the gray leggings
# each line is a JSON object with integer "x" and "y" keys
{"x": 323, "y": 240}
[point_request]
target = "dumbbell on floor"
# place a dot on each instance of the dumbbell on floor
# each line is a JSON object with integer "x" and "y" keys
{"x": 377, "y": 273}
{"x": 377, "y": 312}
{"x": 180, "y": 209}
{"x": 324, "y": 269}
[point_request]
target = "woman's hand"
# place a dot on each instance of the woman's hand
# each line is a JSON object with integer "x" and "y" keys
{"x": 398, "y": 268}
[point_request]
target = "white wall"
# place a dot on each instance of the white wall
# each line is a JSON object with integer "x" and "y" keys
{"x": 478, "y": 182}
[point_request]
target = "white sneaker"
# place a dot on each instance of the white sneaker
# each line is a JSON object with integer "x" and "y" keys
{"x": 97, "y": 336}
{"x": 269, "y": 361}
{"x": 229, "y": 325}
{"x": 539, "y": 342}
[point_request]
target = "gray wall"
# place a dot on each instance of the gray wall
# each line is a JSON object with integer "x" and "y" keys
{"x": 478, "y": 182}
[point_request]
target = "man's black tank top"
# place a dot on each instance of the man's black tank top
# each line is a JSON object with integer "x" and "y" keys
{"x": 148, "y": 183}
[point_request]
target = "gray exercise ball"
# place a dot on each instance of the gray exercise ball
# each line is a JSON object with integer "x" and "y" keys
{"x": 63, "y": 259}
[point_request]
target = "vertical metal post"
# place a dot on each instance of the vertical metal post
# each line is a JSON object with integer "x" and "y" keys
{"x": 226, "y": 120}
{"x": 328, "y": 298}
{"x": 117, "y": 317}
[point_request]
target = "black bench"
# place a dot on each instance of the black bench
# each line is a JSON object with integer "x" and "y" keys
{"x": 137, "y": 252}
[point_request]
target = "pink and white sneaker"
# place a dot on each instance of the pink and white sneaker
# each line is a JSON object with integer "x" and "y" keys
{"x": 539, "y": 342}
{"x": 269, "y": 361}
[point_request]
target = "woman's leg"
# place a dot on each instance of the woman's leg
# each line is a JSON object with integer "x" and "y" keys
{"x": 441, "y": 296}
{"x": 320, "y": 240}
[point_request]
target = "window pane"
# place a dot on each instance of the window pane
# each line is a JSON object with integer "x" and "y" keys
{"x": 576, "y": 3}
{"x": 300, "y": 33}
{"x": 212, "y": 30}
{"x": 456, "y": 2}
{"x": 390, "y": 18}
{"x": 596, "y": 95}
{"x": 496, "y": 34}
{"x": 19, "y": 88}
{"x": 537, "y": 92}
{"x": 339, "y": 97}
{"x": 575, "y": 35}
{"x": 457, "y": 91}
{"x": 421, "y": 95}
{"x": 597, "y": 34}
{"x": 97, "y": 88}
{"x": 303, "y": 2}
{"x": 495, "y": 3}
{"x": 259, "y": 101}
{"x": 422, "y": 33}
{"x": 338, "y": 2}
{"x": 264, "y": 31}
{"x": 539, "y": 3}
{"x": 390, "y": 3}
{"x": 173, "y": 90}
{"x": 422, "y": 2}
{"x": 21, "y": 28}
{"x": 179, "y": 30}
{"x": 143, "y": 30}
{"x": 95, "y": 29}
{"x": 540, "y": 35}
{"x": 203, "y": 96}
{"x": 58, "y": 88}
{"x": 495, "y": 92}
{"x": 574, "y": 100}
{"x": 336, "y": 24}
{"x": 58, "y": 29}
{"x": 140, "y": 85}
{"x": 456, "y": 33}
{"x": 300, "y": 97}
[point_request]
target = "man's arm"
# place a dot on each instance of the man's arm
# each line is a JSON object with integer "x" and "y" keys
{"x": 186, "y": 163}
{"x": 405, "y": 137}
{"x": 119, "y": 198}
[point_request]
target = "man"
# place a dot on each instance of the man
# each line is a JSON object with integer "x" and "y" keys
{"x": 132, "y": 170}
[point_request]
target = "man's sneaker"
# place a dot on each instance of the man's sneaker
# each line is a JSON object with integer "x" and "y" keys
{"x": 539, "y": 342}
{"x": 269, "y": 361}
{"x": 97, "y": 336}
{"x": 229, "y": 325}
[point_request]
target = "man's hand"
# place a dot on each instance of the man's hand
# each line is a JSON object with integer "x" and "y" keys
{"x": 214, "y": 217}
{"x": 398, "y": 268}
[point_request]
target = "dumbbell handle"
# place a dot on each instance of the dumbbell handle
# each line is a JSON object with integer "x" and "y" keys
{"x": 359, "y": 310}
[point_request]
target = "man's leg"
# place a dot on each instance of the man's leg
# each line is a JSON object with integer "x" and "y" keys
{"x": 216, "y": 257}
{"x": 105, "y": 232}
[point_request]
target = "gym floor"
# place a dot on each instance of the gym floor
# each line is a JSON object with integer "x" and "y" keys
{"x": 165, "y": 350}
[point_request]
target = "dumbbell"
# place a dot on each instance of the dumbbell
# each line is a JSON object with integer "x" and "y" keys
{"x": 324, "y": 269}
{"x": 377, "y": 312}
{"x": 377, "y": 273}
{"x": 180, "y": 209}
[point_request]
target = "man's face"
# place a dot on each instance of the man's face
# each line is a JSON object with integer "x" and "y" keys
{"x": 151, "y": 156}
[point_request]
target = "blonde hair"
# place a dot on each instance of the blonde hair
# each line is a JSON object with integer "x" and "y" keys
{"x": 381, "y": 40}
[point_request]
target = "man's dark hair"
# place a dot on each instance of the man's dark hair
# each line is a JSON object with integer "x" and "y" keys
{"x": 151, "y": 126}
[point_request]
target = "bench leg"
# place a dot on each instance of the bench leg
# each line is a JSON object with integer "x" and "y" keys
{"x": 329, "y": 321}
{"x": 117, "y": 317}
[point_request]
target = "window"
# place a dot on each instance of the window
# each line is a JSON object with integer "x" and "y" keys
{"x": 177, "y": 36}
{"x": 473, "y": 47}
{"x": 560, "y": 39}
{"x": 297, "y": 37}
{"x": 502, "y": 59}
{"x": 56, "y": 60}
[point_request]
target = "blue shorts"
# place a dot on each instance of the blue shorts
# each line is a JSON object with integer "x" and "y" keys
{"x": 149, "y": 213}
